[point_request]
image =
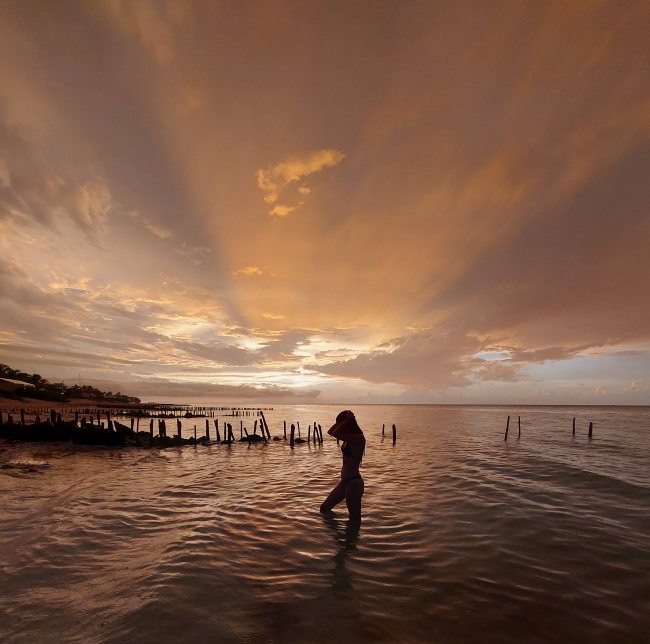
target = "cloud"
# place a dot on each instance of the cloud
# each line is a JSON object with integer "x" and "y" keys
{"x": 497, "y": 371}
{"x": 525, "y": 356}
{"x": 638, "y": 386}
{"x": 149, "y": 22}
{"x": 427, "y": 358}
{"x": 248, "y": 271}
{"x": 155, "y": 229}
{"x": 161, "y": 390}
{"x": 196, "y": 254}
{"x": 216, "y": 352}
{"x": 476, "y": 213}
{"x": 282, "y": 211}
{"x": 32, "y": 191}
{"x": 274, "y": 180}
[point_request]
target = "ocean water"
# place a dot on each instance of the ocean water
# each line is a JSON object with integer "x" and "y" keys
{"x": 465, "y": 537}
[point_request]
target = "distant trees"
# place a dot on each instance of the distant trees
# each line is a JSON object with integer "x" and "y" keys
{"x": 57, "y": 391}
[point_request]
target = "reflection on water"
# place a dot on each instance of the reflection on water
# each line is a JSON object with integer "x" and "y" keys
{"x": 465, "y": 537}
{"x": 345, "y": 535}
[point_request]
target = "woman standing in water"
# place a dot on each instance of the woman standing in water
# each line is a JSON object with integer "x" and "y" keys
{"x": 351, "y": 486}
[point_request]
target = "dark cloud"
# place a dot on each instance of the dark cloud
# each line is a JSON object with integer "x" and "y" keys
{"x": 161, "y": 390}
{"x": 572, "y": 273}
{"x": 216, "y": 352}
{"x": 426, "y": 358}
{"x": 33, "y": 190}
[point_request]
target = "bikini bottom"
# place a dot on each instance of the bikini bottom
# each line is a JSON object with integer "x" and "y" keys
{"x": 349, "y": 479}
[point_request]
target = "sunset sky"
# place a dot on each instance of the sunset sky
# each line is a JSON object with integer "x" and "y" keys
{"x": 381, "y": 201}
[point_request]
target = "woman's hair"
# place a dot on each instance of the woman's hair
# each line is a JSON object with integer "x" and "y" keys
{"x": 354, "y": 426}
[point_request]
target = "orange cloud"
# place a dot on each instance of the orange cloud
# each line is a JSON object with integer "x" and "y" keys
{"x": 273, "y": 180}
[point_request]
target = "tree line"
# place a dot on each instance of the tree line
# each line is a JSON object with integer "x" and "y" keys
{"x": 42, "y": 389}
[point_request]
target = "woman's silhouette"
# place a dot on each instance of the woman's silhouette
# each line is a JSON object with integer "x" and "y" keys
{"x": 350, "y": 487}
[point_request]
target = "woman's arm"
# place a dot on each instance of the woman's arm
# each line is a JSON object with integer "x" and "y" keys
{"x": 342, "y": 430}
{"x": 350, "y": 438}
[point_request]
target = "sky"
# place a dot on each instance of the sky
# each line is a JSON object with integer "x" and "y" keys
{"x": 298, "y": 201}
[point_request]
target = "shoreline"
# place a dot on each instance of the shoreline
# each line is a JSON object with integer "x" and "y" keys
{"x": 32, "y": 408}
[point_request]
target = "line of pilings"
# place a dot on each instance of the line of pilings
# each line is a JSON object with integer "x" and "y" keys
{"x": 590, "y": 432}
{"x": 98, "y": 426}
{"x": 145, "y": 410}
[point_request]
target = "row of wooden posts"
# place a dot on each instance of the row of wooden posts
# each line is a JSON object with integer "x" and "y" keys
{"x": 315, "y": 436}
{"x": 590, "y": 433}
{"x": 228, "y": 437}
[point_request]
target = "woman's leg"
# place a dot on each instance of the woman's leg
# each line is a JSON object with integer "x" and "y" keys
{"x": 353, "y": 493}
{"x": 335, "y": 496}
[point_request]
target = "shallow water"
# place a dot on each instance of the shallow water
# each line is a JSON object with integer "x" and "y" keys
{"x": 465, "y": 537}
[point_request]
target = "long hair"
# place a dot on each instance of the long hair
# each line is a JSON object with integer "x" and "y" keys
{"x": 354, "y": 426}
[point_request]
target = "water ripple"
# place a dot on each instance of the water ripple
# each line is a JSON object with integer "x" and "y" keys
{"x": 465, "y": 537}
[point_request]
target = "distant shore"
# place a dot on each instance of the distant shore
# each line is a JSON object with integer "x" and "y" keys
{"x": 69, "y": 410}
{"x": 33, "y": 407}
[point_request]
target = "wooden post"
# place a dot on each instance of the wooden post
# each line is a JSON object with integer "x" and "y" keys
{"x": 150, "y": 427}
{"x": 519, "y": 425}
{"x": 247, "y": 437}
{"x": 265, "y": 426}
{"x": 507, "y": 425}
{"x": 132, "y": 422}
{"x": 231, "y": 436}
{"x": 591, "y": 430}
{"x": 285, "y": 430}
{"x": 194, "y": 435}
{"x": 309, "y": 435}
{"x": 574, "y": 426}
{"x": 137, "y": 426}
{"x": 207, "y": 429}
{"x": 293, "y": 429}
{"x": 99, "y": 420}
{"x": 394, "y": 434}
{"x": 383, "y": 427}
{"x": 255, "y": 428}
{"x": 320, "y": 432}
{"x": 216, "y": 426}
